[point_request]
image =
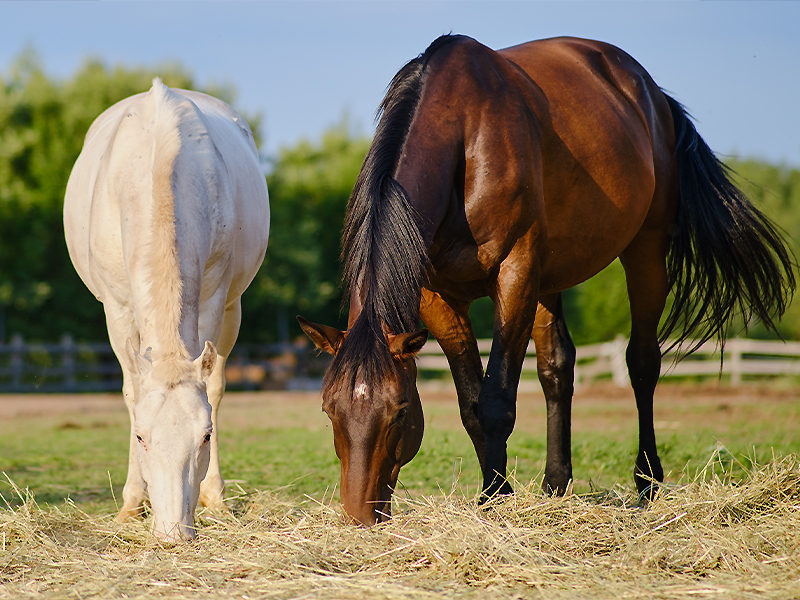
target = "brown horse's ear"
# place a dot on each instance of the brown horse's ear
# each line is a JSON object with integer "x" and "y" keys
{"x": 325, "y": 338}
{"x": 403, "y": 345}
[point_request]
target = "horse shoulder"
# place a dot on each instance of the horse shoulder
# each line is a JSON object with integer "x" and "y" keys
{"x": 502, "y": 162}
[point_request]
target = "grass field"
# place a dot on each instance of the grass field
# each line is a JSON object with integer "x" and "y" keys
{"x": 277, "y": 455}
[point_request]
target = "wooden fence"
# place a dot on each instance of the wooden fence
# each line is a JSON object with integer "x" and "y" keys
{"x": 741, "y": 358}
{"x": 68, "y": 366}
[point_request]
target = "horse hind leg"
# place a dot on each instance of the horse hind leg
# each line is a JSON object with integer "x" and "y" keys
{"x": 645, "y": 269}
{"x": 555, "y": 360}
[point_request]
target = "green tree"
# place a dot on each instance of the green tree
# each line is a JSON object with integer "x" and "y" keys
{"x": 309, "y": 188}
{"x": 775, "y": 190}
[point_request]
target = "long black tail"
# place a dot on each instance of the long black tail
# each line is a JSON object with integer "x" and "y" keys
{"x": 725, "y": 256}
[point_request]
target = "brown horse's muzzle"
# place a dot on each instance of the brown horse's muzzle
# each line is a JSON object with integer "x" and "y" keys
{"x": 368, "y": 480}
{"x": 367, "y": 487}
{"x": 368, "y": 513}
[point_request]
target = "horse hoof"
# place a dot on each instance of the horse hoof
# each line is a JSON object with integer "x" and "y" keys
{"x": 218, "y": 507}
{"x": 647, "y": 487}
{"x": 128, "y": 514}
{"x": 557, "y": 489}
{"x": 495, "y": 491}
{"x": 214, "y": 503}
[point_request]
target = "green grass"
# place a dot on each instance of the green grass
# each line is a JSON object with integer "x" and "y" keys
{"x": 76, "y": 457}
{"x": 56, "y": 460}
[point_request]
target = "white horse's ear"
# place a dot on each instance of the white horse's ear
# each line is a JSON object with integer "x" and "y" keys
{"x": 206, "y": 361}
{"x": 138, "y": 364}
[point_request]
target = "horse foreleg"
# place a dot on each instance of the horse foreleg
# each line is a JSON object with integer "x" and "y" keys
{"x": 121, "y": 328}
{"x": 515, "y": 309}
{"x": 212, "y": 488}
{"x": 555, "y": 359}
{"x": 450, "y": 325}
{"x": 646, "y": 273}
{"x": 135, "y": 490}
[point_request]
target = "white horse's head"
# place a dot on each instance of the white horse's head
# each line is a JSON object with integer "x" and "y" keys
{"x": 172, "y": 424}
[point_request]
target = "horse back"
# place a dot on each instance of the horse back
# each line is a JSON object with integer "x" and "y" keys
{"x": 214, "y": 171}
{"x": 166, "y": 211}
{"x": 234, "y": 143}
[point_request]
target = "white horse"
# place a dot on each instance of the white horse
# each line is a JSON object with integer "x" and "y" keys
{"x": 166, "y": 218}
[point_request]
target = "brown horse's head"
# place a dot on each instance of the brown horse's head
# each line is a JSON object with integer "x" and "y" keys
{"x": 376, "y": 415}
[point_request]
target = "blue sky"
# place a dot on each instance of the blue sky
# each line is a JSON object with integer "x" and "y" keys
{"x": 735, "y": 65}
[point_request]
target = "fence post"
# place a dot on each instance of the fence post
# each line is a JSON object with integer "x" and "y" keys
{"x": 17, "y": 362}
{"x": 68, "y": 361}
{"x": 619, "y": 368}
{"x": 735, "y": 361}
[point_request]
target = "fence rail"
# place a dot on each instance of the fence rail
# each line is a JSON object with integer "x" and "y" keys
{"x": 742, "y": 357}
{"x": 68, "y": 366}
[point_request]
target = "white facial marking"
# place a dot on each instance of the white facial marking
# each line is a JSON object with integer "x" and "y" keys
{"x": 360, "y": 391}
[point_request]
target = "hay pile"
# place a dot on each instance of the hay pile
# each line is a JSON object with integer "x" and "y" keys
{"x": 709, "y": 538}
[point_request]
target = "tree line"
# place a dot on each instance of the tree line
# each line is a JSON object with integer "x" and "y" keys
{"x": 42, "y": 126}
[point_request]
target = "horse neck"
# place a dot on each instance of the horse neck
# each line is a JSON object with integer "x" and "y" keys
{"x": 167, "y": 303}
{"x": 411, "y": 201}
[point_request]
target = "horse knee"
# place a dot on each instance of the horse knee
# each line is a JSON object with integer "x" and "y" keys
{"x": 497, "y": 419}
{"x": 557, "y": 378}
{"x": 557, "y": 371}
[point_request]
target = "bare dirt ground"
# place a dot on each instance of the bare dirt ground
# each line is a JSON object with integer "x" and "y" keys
{"x": 598, "y": 407}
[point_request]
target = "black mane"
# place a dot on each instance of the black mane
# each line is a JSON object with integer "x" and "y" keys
{"x": 383, "y": 250}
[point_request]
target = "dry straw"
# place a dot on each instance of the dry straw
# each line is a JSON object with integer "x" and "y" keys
{"x": 708, "y": 538}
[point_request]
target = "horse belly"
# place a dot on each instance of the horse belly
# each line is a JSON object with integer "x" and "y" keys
{"x": 585, "y": 241}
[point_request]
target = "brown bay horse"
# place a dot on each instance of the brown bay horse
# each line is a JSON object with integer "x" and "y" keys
{"x": 518, "y": 174}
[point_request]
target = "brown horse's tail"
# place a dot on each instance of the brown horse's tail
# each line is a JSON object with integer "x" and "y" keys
{"x": 725, "y": 255}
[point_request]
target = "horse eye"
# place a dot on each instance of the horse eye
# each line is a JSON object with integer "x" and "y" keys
{"x": 141, "y": 441}
{"x": 401, "y": 414}
{"x": 207, "y": 438}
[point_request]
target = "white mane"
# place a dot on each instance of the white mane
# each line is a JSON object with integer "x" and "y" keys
{"x": 162, "y": 261}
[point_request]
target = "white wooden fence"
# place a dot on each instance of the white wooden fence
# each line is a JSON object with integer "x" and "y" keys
{"x": 742, "y": 357}
{"x": 68, "y": 366}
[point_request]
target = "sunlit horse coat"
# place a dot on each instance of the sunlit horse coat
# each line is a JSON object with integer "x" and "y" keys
{"x": 166, "y": 218}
